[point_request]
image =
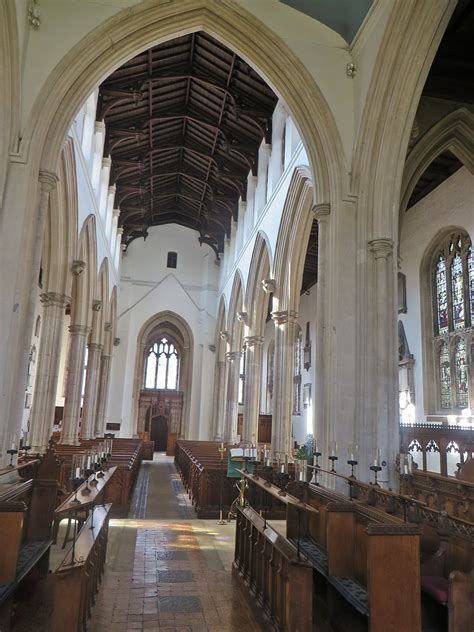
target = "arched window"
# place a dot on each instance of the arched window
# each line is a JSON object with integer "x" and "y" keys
{"x": 270, "y": 363}
{"x": 453, "y": 320}
{"x": 242, "y": 376}
{"x": 161, "y": 365}
{"x": 297, "y": 374}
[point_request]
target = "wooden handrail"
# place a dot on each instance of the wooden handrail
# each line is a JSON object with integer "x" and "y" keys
{"x": 16, "y": 491}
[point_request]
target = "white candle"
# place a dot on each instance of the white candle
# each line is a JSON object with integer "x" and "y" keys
{"x": 88, "y": 466}
{"x": 282, "y": 468}
{"x": 13, "y": 446}
{"x": 78, "y": 472}
{"x": 333, "y": 448}
{"x": 222, "y": 445}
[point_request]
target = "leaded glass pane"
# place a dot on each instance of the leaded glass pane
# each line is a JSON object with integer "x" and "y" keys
{"x": 173, "y": 371}
{"x": 161, "y": 377}
{"x": 150, "y": 370}
{"x": 457, "y": 291}
{"x": 441, "y": 295}
{"x": 445, "y": 376}
{"x": 460, "y": 361}
{"x": 470, "y": 269}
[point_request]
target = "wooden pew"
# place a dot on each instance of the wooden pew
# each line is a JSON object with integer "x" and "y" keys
{"x": 268, "y": 564}
{"x": 77, "y": 578}
{"x": 26, "y": 511}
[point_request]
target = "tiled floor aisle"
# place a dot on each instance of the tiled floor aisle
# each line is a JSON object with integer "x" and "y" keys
{"x": 167, "y": 570}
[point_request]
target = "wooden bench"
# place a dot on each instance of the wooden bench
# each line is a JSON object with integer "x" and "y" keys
{"x": 26, "y": 512}
{"x": 77, "y": 578}
{"x": 279, "y": 580}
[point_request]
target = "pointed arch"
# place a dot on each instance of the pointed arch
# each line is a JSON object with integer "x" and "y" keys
{"x": 236, "y": 305}
{"x": 101, "y": 303}
{"x": 256, "y": 298}
{"x": 295, "y": 227}
{"x": 83, "y": 286}
{"x": 60, "y": 241}
{"x": 454, "y": 132}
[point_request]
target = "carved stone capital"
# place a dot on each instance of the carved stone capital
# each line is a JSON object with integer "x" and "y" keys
{"x": 224, "y": 335}
{"x": 381, "y": 247}
{"x": 287, "y": 316}
{"x": 78, "y": 267}
{"x": 116, "y": 342}
{"x": 116, "y": 212}
{"x": 48, "y": 180}
{"x": 268, "y": 286}
{"x": 54, "y": 298}
{"x": 253, "y": 341}
{"x": 95, "y": 346}
{"x": 321, "y": 212}
{"x": 233, "y": 355}
{"x": 96, "y": 305}
{"x": 79, "y": 330}
{"x": 108, "y": 326}
{"x": 242, "y": 317}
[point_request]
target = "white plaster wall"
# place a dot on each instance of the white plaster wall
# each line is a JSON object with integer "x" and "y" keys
{"x": 147, "y": 287}
{"x": 449, "y": 205}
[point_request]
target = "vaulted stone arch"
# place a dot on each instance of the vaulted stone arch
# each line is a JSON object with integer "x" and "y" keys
{"x": 454, "y": 132}
{"x": 173, "y": 325}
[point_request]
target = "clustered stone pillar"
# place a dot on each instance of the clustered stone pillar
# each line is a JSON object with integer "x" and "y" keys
{"x": 89, "y": 408}
{"x": 321, "y": 431}
{"x": 233, "y": 358}
{"x": 384, "y": 431}
{"x": 253, "y": 370}
{"x": 72, "y": 404}
{"x": 44, "y": 402}
{"x": 103, "y": 394}
{"x": 285, "y": 326}
{"x": 220, "y": 399}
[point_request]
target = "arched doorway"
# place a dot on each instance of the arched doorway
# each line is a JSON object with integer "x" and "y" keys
{"x": 159, "y": 432}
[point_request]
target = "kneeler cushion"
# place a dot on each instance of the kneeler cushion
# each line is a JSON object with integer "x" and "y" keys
{"x": 435, "y": 586}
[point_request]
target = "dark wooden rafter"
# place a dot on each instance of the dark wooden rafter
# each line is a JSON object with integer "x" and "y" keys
{"x": 450, "y": 79}
{"x": 184, "y": 121}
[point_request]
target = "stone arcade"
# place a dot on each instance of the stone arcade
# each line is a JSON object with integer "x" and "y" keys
{"x": 237, "y": 223}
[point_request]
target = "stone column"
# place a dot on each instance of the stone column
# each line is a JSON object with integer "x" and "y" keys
{"x": 285, "y": 326}
{"x": 253, "y": 376}
{"x": 103, "y": 395}
{"x": 12, "y": 425}
{"x": 220, "y": 383}
{"x": 230, "y": 429}
{"x": 72, "y": 405}
{"x": 385, "y": 423}
{"x": 142, "y": 411}
{"x": 44, "y": 400}
{"x": 89, "y": 409}
{"x": 321, "y": 432}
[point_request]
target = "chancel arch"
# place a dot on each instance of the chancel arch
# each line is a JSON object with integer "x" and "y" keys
{"x": 167, "y": 340}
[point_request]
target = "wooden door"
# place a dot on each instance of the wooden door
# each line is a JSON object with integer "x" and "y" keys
{"x": 159, "y": 433}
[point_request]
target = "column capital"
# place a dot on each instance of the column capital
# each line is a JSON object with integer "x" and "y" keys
{"x": 253, "y": 341}
{"x": 382, "y": 247}
{"x": 106, "y": 161}
{"x": 96, "y": 305}
{"x": 54, "y": 298}
{"x": 48, "y": 180}
{"x": 321, "y": 211}
{"x": 95, "y": 346}
{"x": 233, "y": 355}
{"x": 78, "y": 267}
{"x": 287, "y": 316}
{"x": 80, "y": 330}
{"x": 223, "y": 335}
{"x": 242, "y": 317}
{"x": 116, "y": 212}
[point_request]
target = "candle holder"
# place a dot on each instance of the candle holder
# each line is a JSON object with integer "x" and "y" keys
{"x": 95, "y": 469}
{"x": 317, "y": 455}
{"x": 12, "y": 452}
{"x": 76, "y": 483}
{"x": 352, "y": 463}
{"x": 375, "y": 469}
{"x": 222, "y": 450}
{"x": 26, "y": 449}
{"x": 333, "y": 458}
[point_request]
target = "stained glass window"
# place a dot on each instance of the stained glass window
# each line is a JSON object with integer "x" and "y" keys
{"x": 457, "y": 291}
{"x": 162, "y": 365}
{"x": 441, "y": 295}
{"x": 460, "y": 361}
{"x": 470, "y": 270}
{"x": 445, "y": 376}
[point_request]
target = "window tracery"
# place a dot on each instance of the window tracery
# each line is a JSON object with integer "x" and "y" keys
{"x": 453, "y": 320}
{"x": 162, "y": 365}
